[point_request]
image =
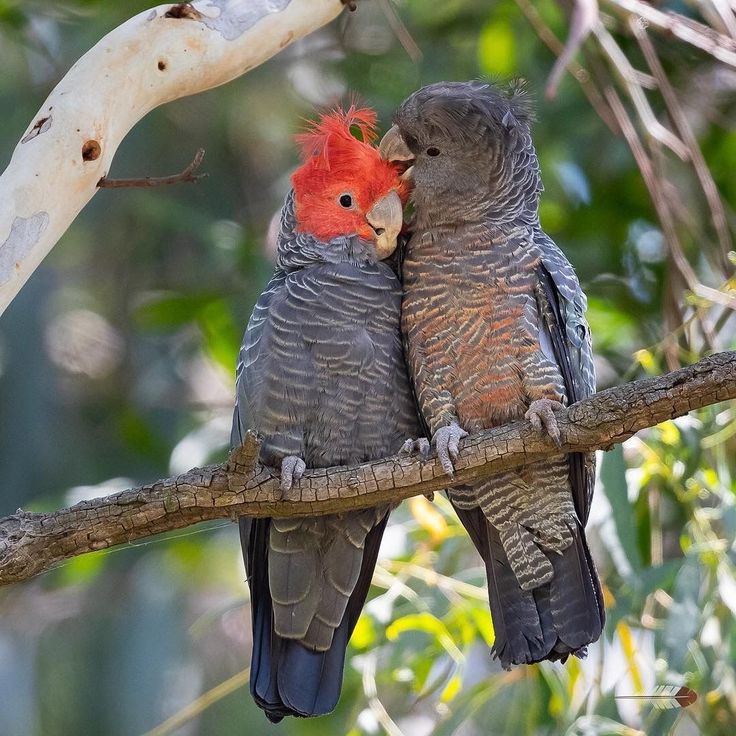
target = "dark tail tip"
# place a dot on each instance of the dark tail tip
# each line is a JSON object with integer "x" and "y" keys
{"x": 548, "y": 623}
{"x": 286, "y": 678}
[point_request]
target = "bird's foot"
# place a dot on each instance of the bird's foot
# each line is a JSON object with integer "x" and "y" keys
{"x": 541, "y": 413}
{"x": 445, "y": 441}
{"x": 420, "y": 446}
{"x": 292, "y": 468}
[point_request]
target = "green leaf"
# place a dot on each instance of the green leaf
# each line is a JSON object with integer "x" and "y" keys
{"x": 164, "y": 311}
{"x": 684, "y": 614}
{"x": 483, "y": 621}
{"x": 496, "y": 49}
{"x": 611, "y": 327}
{"x": 12, "y": 16}
{"x": 222, "y": 336}
{"x": 613, "y": 481}
{"x": 428, "y": 624}
{"x": 83, "y": 569}
{"x": 451, "y": 689}
{"x": 364, "y": 633}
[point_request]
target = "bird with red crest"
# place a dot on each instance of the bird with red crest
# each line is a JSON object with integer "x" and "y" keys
{"x": 344, "y": 186}
{"x": 321, "y": 378}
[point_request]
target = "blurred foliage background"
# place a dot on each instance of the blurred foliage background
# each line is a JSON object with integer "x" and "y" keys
{"x": 117, "y": 362}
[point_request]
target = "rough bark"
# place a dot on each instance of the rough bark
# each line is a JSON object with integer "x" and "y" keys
{"x": 160, "y": 55}
{"x": 33, "y": 542}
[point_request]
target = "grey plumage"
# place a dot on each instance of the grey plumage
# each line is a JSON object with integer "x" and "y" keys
{"x": 494, "y": 322}
{"x": 321, "y": 376}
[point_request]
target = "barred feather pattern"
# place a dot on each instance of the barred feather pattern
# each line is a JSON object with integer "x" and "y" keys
{"x": 493, "y": 319}
{"x": 314, "y": 565}
{"x": 572, "y": 304}
{"x": 481, "y": 363}
{"x": 321, "y": 375}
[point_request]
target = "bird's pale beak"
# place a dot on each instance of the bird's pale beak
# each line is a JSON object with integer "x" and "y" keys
{"x": 393, "y": 148}
{"x": 386, "y": 219}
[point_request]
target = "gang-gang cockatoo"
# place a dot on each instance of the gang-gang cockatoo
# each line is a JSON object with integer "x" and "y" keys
{"x": 493, "y": 319}
{"x": 321, "y": 378}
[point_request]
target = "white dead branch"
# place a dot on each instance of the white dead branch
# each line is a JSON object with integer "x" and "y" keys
{"x": 160, "y": 55}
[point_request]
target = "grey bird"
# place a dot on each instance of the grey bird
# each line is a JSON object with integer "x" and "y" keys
{"x": 322, "y": 379}
{"x": 493, "y": 319}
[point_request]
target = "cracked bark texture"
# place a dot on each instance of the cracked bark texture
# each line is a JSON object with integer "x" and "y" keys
{"x": 31, "y": 543}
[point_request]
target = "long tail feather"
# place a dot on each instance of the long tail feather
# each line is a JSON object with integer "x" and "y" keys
{"x": 550, "y": 622}
{"x": 286, "y": 677}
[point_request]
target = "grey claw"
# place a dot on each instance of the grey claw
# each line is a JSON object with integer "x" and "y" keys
{"x": 423, "y": 447}
{"x": 541, "y": 414}
{"x": 420, "y": 446}
{"x": 292, "y": 468}
{"x": 446, "y": 441}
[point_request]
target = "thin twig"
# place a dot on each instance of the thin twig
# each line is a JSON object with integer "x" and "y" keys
{"x": 374, "y": 702}
{"x": 200, "y": 704}
{"x": 680, "y": 213}
{"x": 579, "y": 72}
{"x": 688, "y": 137}
{"x": 585, "y": 16}
{"x": 660, "y": 201}
{"x": 725, "y": 15}
{"x": 435, "y": 579}
{"x": 394, "y": 586}
{"x": 401, "y": 31}
{"x": 632, "y": 82}
{"x": 188, "y": 175}
{"x": 716, "y": 44}
{"x": 650, "y": 179}
{"x": 716, "y": 296}
{"x": 673, "y": 316}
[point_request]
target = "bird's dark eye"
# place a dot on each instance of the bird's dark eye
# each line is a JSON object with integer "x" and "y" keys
{"x": 346, "y": 201}
{"x": 433, "y": 151}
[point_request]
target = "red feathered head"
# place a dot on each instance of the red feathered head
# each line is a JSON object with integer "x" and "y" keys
{"x": 344, "y": 187}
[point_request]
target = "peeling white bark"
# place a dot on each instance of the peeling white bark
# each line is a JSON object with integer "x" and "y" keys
{"x": 149, "y": 60}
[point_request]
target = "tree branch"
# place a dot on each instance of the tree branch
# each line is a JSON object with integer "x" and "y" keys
{"x": 158, "y": 56}
{"x": 33, "y": 542}
{"x": 718, "y": 45}
{"x": 187, "y": 175}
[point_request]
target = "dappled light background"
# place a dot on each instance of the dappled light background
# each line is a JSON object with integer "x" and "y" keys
{"x": 117, "y": 367}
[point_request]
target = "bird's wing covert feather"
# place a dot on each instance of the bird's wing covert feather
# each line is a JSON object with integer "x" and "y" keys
{"x": 249, "y": 373}
{"x": 566, "y": 326}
